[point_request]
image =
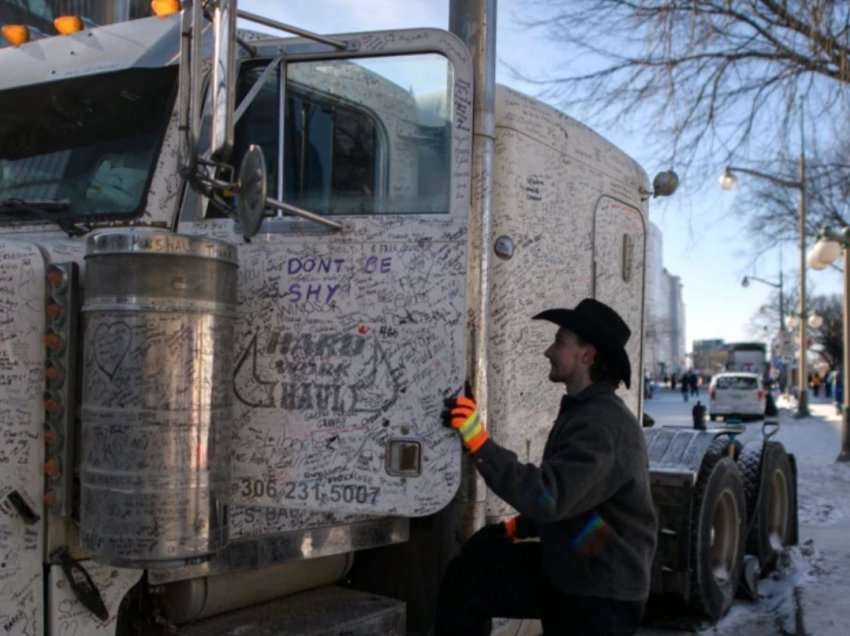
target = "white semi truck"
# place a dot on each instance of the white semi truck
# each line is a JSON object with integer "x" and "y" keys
{"x": 239, "y": 275}
{"x": 748, "y": 357}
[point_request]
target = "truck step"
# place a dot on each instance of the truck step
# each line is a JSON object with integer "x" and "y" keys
{"x": 326, "y": 611}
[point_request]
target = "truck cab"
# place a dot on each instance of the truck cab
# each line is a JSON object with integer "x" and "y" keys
{"x": 239, "y": 276}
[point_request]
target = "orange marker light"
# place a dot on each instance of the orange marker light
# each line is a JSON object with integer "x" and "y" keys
{"x": 52, "y": 406}
{"x": 55, "y": 277}
{"x": 54, "y": 311}
{"x": 54, "y": 374}
{"x": 16, "y": 34}
{"x": 51, "y": 468}
{"x": 53, "y": 342}
{"x": 68, "y": 24}
{"x": 163, "y": 8}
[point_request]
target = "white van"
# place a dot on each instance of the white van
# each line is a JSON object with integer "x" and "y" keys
{"x": 736, "y": 394}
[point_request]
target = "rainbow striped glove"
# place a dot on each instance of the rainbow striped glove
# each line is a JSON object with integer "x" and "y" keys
{"x": 465, "y": 419}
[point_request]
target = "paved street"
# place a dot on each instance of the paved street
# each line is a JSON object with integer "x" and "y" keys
{"x": 808, "y": 593}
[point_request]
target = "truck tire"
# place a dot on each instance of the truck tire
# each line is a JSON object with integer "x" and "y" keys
{"x": 772, "y": 514}
{"x": 718, "y": 533}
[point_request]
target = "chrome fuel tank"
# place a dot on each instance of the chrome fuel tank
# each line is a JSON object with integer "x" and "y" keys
{"x": 156, "y": 399}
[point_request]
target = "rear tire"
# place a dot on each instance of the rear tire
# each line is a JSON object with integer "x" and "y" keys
{"x": 773, "y": 514}
{"x": 718, "y": 533}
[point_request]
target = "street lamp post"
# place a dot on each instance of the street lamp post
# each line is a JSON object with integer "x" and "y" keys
{"x": 745, "y": 282}
{"x": 728, "y": 181}
{"x": 829, "y": 246}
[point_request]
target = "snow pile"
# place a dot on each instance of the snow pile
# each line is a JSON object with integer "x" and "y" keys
{"x": 777, "y": 610}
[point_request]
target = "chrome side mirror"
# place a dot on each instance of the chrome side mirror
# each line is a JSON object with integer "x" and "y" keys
{"x": 252, "y": 191}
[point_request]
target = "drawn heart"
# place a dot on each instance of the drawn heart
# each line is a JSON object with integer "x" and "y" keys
{"x": 111, "y": 343}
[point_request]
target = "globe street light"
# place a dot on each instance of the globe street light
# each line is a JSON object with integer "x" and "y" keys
{"x": 828, "y": 248}
{"x": 728, "y": 181}
{"x": 814, "y": 321}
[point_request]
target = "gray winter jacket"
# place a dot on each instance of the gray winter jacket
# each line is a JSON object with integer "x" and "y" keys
{"x": 589, "y": 501}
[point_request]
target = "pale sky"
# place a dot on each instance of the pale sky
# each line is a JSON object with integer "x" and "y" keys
{"x": 703, "y": 243}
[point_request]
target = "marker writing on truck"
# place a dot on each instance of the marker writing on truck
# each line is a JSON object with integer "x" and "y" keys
{"x": 328, "y": 265}
{"x": 325, "y": 292}
{"x": 303, "y": 490}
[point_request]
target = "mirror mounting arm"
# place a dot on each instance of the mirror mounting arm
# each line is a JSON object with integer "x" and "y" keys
{"x": 304, "y": 214}
{"x": 288, "y": 28}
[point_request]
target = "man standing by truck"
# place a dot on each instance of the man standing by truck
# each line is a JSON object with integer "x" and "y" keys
{"x": 588, "y": 502}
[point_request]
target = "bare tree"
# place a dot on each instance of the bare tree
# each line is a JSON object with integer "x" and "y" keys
{"x": 826, "y": 340}
{"x": 773, "y": 211}
{"x": 765, "y": 322}
{"x": 718, "y": 79}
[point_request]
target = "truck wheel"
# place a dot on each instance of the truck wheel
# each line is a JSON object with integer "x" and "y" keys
{"x": 773, "y": 513}
{"x": 718, "y": 533}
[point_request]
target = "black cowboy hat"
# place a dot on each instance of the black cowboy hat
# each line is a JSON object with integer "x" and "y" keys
{"x": 601, "y": 326}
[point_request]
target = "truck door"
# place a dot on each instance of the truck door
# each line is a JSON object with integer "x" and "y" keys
{"x": 349, "y": 340}
{"x": 619, "y": 233}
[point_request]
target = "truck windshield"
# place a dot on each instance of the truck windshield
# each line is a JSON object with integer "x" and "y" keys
{"x": 89, "y": 143}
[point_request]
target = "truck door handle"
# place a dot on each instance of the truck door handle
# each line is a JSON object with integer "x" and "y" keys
{"x": 23, "y": 509}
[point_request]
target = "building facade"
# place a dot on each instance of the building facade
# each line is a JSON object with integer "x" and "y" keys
{"x": 664, "y": 346}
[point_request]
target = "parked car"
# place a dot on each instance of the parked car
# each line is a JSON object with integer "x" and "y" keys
{"x": 736, "y": 395}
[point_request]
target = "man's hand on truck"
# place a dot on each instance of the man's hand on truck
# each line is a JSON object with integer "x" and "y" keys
{"x": 464, "y": 417}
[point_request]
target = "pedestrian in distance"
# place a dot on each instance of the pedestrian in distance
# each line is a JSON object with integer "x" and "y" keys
{"x": 673, "y": 382}
{"x": 685, "y": 386}
{"x": 693, "y": 381}
{"x": 588, "y": 501}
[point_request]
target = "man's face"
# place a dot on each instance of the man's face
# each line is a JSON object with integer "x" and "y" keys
{"x": 570, "y": 360}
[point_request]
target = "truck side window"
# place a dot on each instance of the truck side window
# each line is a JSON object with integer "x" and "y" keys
{"x": 260, "y": 124}
{"x": 361, "y": 136}
{"x": 331, "y": 160}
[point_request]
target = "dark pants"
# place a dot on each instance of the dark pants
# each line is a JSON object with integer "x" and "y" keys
{"x": 504, "y": 579}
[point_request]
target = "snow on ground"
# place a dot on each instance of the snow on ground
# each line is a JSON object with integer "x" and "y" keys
{"x": 778, "y": 608}
{"x": 822, "y": 495}
{"x": 823, "y": 484}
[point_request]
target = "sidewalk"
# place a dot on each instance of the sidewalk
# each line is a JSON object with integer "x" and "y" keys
{"x": 824, "y": 511}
